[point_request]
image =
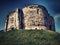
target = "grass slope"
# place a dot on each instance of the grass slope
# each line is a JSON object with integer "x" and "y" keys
{"x": 29, "y": 37}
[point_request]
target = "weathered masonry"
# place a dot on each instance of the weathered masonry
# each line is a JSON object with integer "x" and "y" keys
{"x": 30, "y": 17}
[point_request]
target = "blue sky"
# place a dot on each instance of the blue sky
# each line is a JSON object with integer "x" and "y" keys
{"x": 53, "y": 7}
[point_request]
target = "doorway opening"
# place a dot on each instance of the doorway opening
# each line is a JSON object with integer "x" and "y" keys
{"x": 50, "y": 27}
{"x": 35, "y": 28}
{"x": 12, "y": 28}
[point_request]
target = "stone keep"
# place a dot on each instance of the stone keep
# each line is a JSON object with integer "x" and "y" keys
{"x": 30, "y": 17}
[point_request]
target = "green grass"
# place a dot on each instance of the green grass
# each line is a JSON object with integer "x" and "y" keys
{"x": 29, "y": 37}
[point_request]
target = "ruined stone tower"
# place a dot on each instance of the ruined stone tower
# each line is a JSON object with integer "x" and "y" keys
{"x": 14, "y": 20}
{"x": 30, "y": 17}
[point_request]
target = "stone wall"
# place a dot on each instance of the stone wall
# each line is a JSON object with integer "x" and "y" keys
{"x": 12, "y": 21}
{"x": 36, "y": 16}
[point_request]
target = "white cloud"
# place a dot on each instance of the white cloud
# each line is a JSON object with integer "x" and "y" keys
{"x": 57, "y": 16}
{"x": 57, "y": 20}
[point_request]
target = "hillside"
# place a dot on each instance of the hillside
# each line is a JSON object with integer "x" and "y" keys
{"x": 29, "y": 37}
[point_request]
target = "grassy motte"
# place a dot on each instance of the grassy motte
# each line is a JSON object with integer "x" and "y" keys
{"x": 29, "y": 37}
